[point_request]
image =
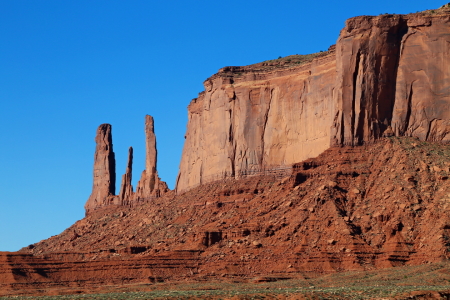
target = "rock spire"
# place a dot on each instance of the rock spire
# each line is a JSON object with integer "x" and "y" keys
{"x": 104, "y": 169}
{"x": 126, "y": 189}
{"x": 103, "y": 191}
{"x": 150, "y": 184}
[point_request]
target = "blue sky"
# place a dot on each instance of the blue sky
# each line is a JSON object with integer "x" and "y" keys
{"x": 68, "y": 66}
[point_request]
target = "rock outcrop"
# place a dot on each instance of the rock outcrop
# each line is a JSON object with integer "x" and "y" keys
{"x": 422, "y": 99}
{"x": 126, "y": 188}
{"x": 387, "y": 75}
{"x": 150, "y": 184}
{"x": 103, "y": 192}
{"x": 257, "y": 117}
{"x": 60, "y": 273}
{"x": 371, "y": 199}
{"x": 367, "y": 57}
{"x": 104, "y": 185}
{"x": 351, "y": 208}
{"x": 392, "y": 72}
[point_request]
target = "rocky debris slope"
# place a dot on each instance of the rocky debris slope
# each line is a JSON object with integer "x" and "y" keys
{"x": 249, "y": 204}
{"x": 351, "y": 208}
{"x": 387, "y": 75}
{"x": 103, "y": 191}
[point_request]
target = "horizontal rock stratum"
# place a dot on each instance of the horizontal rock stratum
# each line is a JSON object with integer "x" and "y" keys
{"x": 349, "y": 209}
{"x": 386, "y": 75}
{"x": 307, "y": 165}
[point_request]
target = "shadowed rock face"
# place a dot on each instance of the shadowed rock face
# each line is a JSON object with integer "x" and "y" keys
{"x": 366, "y": 207}
{"x": 104, "y": 169}
{"x": 422, "y": 99}
{"x": 367, "y": 58}
{"x": 388, "y": 75}
{"x": 126, "y": 189}
{"x": 392, "y": 73}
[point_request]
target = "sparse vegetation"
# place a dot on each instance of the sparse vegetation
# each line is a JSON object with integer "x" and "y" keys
{"x": 394, "y": 282}
{"x": 312, "y": 292}
{"x": 417, "y": 182}
{"x": 274, "y": 64}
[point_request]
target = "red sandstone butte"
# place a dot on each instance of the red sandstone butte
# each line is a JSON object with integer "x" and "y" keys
{"x": 392, "y": 72}
{"x": 386, "y": 75}
{"x": 304, "y": 165}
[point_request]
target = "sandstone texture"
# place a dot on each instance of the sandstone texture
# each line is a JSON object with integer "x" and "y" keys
{"x": 392, "y": 74}
{"x": 126, "y": 189}
{"x": 104, "y": 169}
{"x": 103, "y": 192}
{"x": 47, "y": 275}
{"x": 150, "y": 184}
{"x": 350, "y": 209}
{"x": 387, "y": 75}
{"x": 256, "y": 117}
{"x": 293, "y": 168}
{"x": 68, "y": 272}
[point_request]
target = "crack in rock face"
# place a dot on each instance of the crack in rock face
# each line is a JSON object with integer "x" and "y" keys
{"x": 386, "y": 75}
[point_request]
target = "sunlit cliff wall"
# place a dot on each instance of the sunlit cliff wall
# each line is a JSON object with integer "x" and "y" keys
{"x": 388, "y": 75}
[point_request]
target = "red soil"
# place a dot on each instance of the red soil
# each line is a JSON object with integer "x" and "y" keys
{"x": 352, "y": 208}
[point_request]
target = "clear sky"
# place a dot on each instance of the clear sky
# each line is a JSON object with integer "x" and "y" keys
{"x": 68, "y": 66}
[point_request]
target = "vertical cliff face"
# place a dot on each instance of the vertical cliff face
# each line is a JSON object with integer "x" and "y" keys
{"x": 422, "y": 99}
{"x": 150, "y": 186}
{"x": 367, "y": 55}
{"x": 257, "y": 117}
{"x": 392, "y": 74}
{"x": 388, "y": 76}
{"x": 104, "y": 169}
